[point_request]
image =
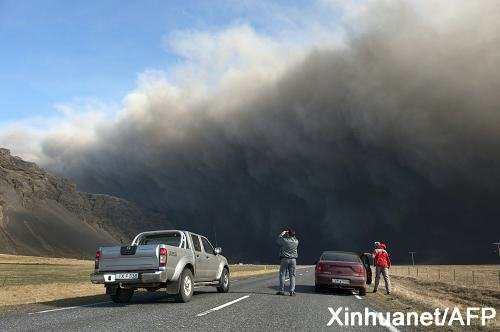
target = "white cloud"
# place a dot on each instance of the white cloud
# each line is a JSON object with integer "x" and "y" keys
{"x": 74, "y": 126}
{"x": 234, "y": 61}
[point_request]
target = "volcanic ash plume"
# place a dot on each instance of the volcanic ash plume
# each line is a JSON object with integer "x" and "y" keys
{"x": 392, "y": 134}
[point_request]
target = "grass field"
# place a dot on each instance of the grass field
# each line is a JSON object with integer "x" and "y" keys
{"x": 480, "y": 276}
{"x": 442, "y": 286}
{"x": 28, "y": 279}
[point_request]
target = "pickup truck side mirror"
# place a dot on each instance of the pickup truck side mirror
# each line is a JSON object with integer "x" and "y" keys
{"x": 218, "y": 250}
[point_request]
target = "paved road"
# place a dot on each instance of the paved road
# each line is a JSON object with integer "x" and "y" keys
{"x": 251, "y": 304}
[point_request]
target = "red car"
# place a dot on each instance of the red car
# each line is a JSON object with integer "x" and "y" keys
{"x": 339, "y": 269}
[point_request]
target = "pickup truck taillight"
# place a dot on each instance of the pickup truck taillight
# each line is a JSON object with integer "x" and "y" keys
{"x": 163, "y": 257}
{"x": 97, "y": 257}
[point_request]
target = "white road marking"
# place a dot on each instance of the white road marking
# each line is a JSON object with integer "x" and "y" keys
{"x": 223, "y": 306}
{"x": 386, "y": 323}
{"x": 68, "y": 308}
{"x": 382, "y": 320}
{"x": 44, "y": 311}
{"x": 300, "y": 274}
{"x": 356, "y": 296}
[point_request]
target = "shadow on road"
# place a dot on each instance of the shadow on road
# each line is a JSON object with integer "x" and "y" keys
{"x": 237, "y": 292}
{"x": 143, "y": 297}
{"x": 140, "y": 297}
{"x": 105, "y": 301}
{"x": 75, "y": 301}
{"x": 309, "y": 289}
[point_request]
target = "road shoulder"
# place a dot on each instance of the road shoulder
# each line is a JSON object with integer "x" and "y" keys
{"x": 410, "y": 294}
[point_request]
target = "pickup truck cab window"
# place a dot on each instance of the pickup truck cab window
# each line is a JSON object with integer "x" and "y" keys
{"x": 196, "y": 242}
{"x": 207, "y": 246}
{"x": 171, "y": 239}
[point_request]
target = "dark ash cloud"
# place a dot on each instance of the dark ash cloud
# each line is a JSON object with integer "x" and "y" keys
{"x": 394, "y": 137}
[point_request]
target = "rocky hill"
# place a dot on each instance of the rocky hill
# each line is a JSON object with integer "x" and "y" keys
{"x": 43, "y": 214}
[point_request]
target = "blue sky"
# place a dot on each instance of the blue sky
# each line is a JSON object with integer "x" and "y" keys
{"x": 65, "y": 51}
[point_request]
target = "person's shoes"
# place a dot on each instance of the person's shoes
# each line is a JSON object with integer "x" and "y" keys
{"x": 374, "y": 290}
{"x": 280, "y": 293}
{"x": 292, "y": 294}
{"x": 387, "y": 293}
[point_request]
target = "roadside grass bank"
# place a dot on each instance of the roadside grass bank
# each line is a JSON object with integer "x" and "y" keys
{"x": 477, "y": 276}
{"x": 29, "y": 279}
{"x": 435, "y": 289}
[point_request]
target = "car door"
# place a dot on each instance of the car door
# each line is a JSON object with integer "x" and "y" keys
{"x": 200, "y": 260}
{"x": 365, "y": 258}
{"x": 212, "y": 263}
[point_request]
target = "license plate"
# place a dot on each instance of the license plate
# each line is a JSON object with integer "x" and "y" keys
{"x": 109, "y": 278}
{"x": 341, "y": 281}
{"x": 126, "y": 276}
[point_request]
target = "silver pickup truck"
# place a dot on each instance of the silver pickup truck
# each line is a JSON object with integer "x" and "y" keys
{"x": 171, "y": 259}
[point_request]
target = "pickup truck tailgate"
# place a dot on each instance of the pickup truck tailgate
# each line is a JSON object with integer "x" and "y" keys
{"x": 143, "y": 257}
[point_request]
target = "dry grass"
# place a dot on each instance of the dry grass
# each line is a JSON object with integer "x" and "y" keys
{"x": 27, "y": 270}
{"x": 433, "y": 289}
{"x": 9, "y": 259}
{"x": 27, "y": 294}
{"x": 479, "y": 276}
{"x": 28, "y": 279}
{"x": 251, "y": 270}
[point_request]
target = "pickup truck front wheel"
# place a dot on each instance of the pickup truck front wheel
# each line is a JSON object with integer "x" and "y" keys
{"x": 123, "y": 295}
{"x": 186, "y": 286}
{"x": 224, "y": 282}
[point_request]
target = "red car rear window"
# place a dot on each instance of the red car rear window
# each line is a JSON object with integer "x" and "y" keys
{"x": 340, "y": 257}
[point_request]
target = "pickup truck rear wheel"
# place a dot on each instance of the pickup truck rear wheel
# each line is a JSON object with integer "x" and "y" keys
{"x": 186, "y": 286}
{"x": 224, "y": 282}
{"x": 123, "y": 295}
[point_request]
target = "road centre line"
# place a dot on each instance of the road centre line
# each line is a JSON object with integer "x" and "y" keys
{"x": 58, "y": 309}
{"x": 385, "y": 323}
{"x": 223, "y": 305}
{"x": 356, "y": 295}
{"x": 68, "y": 308}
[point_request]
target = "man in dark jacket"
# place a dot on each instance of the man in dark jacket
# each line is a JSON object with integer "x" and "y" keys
{"x": 288, "y": 259}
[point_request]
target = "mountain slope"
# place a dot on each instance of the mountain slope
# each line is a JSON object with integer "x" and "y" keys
{"x": 43, "y": 214}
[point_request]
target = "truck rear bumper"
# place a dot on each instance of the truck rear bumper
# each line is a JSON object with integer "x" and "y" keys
{"x": 146, "y": 277}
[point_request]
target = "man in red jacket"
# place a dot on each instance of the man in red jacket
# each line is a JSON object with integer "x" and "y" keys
{"x": 382, "y": 265}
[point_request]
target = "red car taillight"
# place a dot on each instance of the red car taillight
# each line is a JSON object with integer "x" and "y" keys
{"x": 321, "y": 267}
{"x": 97, "y": 258}
{"x": 163, "y": 257}
{"x": 358, "y": 269}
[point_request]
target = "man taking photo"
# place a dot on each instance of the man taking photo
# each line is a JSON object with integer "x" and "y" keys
{"x": 288, "y": 259}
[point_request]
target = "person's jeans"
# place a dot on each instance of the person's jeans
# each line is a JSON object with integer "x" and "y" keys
{"x": 385, "y": 273}
{"x": 287, "y": 264}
